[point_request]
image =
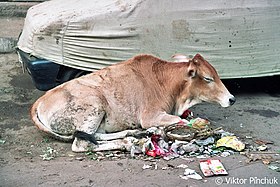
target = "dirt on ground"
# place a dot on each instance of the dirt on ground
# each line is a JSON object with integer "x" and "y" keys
{"x": 29, "y": 157}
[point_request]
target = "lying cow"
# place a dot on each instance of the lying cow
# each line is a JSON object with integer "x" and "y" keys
{"x": 141, "y": 92}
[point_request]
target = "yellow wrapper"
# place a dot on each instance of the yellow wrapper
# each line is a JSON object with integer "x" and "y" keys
{"x": 230, "y": 142}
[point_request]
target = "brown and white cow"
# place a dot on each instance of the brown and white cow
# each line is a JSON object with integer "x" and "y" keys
{"x": 141, "y": 92}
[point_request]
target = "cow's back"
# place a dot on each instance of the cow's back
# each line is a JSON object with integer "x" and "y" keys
{"x": 134, "y": 86}
{"x": 124, "y": 86}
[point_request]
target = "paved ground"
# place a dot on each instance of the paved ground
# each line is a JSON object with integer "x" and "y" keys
{"x": 256, "y": 114}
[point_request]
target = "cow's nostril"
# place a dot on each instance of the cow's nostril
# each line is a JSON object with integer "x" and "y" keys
{"x": 232, "y": 100}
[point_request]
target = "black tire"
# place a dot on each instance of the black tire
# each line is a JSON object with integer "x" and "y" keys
{"x": 67, "y": 74}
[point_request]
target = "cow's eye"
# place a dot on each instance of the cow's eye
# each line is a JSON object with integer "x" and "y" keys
{"x": 208, "y": 79}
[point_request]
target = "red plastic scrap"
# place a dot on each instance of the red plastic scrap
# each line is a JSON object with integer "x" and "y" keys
{"x": 155, "y": 149}
{"x": 187, "y": 114}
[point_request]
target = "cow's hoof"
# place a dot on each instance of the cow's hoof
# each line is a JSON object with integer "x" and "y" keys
{"x": 79, "y": 146}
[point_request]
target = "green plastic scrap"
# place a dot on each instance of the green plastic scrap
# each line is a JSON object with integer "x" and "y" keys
{"x": 275, "y": 168}
{"x": 2, "y": 141}
{"x": 191, "y": 122}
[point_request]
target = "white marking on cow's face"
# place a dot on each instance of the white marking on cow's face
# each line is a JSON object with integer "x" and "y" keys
{"x": 225, "y": 99}
{"x": 188, "y": 103}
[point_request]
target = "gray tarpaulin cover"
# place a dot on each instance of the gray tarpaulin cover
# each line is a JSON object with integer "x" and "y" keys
{"x": 240, "y": 38}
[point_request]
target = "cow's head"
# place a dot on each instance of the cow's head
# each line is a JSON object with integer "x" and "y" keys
{"x": 202, "y": 83}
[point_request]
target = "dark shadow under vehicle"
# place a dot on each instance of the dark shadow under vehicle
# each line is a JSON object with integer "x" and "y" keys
{"x": 46, "y": 74}
{"x": 269, "y": 85}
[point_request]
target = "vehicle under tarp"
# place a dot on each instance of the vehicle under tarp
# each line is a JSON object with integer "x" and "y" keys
{"x": 240, "y": 38}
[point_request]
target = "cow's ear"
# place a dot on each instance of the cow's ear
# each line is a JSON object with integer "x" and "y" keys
{"x": 197, "y": 59}
{"x": 192, "y": 73}
{"x": 192, "y": 69}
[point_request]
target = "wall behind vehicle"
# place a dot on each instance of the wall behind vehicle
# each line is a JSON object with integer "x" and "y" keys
{"x": 12, "y": 14}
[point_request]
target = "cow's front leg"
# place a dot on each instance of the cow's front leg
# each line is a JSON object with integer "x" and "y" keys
{"x": 118, "y": 135}
{"x": 159, "y": 119}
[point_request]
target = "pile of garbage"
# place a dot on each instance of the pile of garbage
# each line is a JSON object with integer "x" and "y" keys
{"x": 194, "y": 138}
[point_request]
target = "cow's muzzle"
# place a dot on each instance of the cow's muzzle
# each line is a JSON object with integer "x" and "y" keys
{"x": 227, "y": 100}
{"x": 232, "y": 100}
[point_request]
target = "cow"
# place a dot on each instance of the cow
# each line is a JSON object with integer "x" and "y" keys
{"x": 142, "y": 92}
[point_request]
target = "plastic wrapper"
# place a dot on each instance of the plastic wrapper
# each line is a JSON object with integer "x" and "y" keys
{"x": 231, "y": 142}
{"x": 199, "y": 123}
{"x": 212, "y": 167}
{"x": 274, "y": 168}
{"x": 153, "y": 147}
{"x": 262, "y": 147}
{"x": 207, "y": 141}
{"x": 190, "y": 174}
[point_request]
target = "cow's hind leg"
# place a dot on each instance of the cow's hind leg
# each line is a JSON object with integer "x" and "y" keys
{"x": 119, "y": 135}
{"x": 124, "y": 144}
{"x": 122, "y": 140}
{"x": 89, "y": 125}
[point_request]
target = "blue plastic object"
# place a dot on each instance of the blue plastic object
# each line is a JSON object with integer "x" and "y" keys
{"x": 43, "y": 72}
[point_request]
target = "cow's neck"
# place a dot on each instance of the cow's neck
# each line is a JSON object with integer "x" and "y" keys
{"x": 173, "y": 78}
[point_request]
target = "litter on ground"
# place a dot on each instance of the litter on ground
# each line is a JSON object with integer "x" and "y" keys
{"x": 196, "y": 139}
{"x": 192, "y": 139}
{"x": 275, "y": 168}
{"x": 212, "y": 167}
{"x": 49, "y": 154}
{"x": 190, "y": 174}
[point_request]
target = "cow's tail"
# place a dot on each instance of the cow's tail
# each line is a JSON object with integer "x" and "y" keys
{"x": 36, "y": 118}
